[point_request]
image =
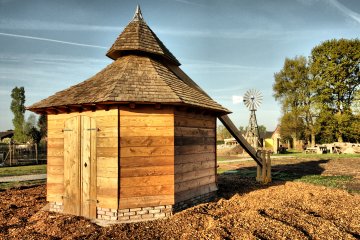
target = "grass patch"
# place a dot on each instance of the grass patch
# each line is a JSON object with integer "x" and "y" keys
{"x": 226, "y": 158}
{"x": 7, "y": 185}
{"x": 327, "y": 181}
{"x": 318, "y": 156}
{"x": 22, "y": 170}
{"x": 245, "y": 173}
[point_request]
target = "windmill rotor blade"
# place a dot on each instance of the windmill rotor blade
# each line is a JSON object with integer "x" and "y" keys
{"x": 253, "y": 99}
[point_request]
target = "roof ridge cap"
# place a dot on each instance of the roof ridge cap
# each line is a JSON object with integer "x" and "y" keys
{"x": 138, "y": 15}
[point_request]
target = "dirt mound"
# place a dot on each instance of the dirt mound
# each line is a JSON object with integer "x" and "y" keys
{"x": 290, "y": 210}
{"x": 230, "y": 151}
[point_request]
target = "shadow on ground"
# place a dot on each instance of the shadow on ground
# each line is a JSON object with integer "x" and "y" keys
{"x": 242, "y": 180}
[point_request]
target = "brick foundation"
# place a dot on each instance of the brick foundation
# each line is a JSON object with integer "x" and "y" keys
{"x": 106, "y": 213}
{"x": 134, "y": 214}
{"x": 56, "y": 207}
{"x": 142, "y": 213}
{"x": 208, "y": 197}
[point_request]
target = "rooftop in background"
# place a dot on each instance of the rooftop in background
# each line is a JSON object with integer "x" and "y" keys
{"x": 6, "y": 134}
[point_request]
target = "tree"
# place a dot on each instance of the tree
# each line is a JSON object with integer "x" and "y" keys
{"x": 335, "y": 67}
{"x": 293, "y": 88}
{"x": 18, "y": 109}
{"x": 222, "y": 133}
{"x": 291, "y": 127}
{"x": 262, "y": 130}
{"x": 32, "y": 133}
{"x": 42, "y": 124}
{"x": 242, "y": 130}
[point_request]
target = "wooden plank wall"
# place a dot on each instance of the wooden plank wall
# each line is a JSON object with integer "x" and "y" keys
{"x": 106, "y": 150}
{"x": 146, "y": 157}
{"x": 195, "y": 155}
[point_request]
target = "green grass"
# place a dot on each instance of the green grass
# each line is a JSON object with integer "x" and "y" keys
{"x": 318, "y": 156}
{"x": 327, "y": 181}
{"x": 22, "y": 170}
{"x": 7, "y": 185}
{"x": 340, "y": 182}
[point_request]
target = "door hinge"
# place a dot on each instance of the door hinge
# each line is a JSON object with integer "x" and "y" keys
{"x": 93, "y": 129}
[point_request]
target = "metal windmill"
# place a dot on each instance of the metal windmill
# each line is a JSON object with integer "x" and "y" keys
{"x": 252, "y": 100}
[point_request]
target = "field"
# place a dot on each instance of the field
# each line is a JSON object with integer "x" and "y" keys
{"x": 308, "y": 199}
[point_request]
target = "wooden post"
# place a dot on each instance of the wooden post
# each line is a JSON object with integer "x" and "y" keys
{"x": 268, "y": 166}
{"x": 10, "y": 154}
{"x": 263, "y": 173}
{"x": 36, "y": 153}
{"x": 258, "y": 172}
{"x": 13, "y": 148}
{"x": 264, "y": 167}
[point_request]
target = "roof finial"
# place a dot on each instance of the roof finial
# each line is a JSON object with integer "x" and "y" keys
{"x": 138, "y": 16}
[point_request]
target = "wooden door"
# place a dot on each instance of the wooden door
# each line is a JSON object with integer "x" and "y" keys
{"x": 88, "y": 167}
{"x": 80, "y": 166}
{"x": 71, "y": 166}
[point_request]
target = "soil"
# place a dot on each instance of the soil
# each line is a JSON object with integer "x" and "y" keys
{"x": 244, "y": 210}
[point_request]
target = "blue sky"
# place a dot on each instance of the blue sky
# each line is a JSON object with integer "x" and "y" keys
{"x": 226, "y": 46}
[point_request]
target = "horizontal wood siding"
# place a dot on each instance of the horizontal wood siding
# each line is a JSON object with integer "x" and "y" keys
{"x": 195, "y": 155}
{"x": 107, "y": 156}
{"x": 146, "y": 157}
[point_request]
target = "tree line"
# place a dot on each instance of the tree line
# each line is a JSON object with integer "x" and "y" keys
{"x": 31, "y": 130}
{"x": 320, "y": 95}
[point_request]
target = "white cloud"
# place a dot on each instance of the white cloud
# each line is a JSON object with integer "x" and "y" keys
{"x": 237, "y": 99}
{"x": 188, "y": 2}
{"x": 210, "y": 66}
{"x": 354, "y": 15}
{"x": 51, "y": 40}
{"x": 28, "y": 24}
{"x": 247, "y": 34}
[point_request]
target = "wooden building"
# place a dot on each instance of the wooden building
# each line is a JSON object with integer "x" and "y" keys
{"x": 136, "y": 141}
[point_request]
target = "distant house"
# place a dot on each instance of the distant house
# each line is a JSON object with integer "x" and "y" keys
{"x": 6, "y": 134}
{"x": 272, "y": 140}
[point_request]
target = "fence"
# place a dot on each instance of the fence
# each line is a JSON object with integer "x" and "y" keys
{"x": 22, "y": 154}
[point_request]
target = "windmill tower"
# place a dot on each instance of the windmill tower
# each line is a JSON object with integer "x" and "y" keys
{"x": 252, "y": 100}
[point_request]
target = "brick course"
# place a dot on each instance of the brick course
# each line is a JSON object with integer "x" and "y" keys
{"x": 56, "y": 207}
{"x": 208, "y": 197}
{"x": 134, "y": 214}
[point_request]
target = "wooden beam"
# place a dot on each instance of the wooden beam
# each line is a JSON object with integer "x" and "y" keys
{"x": 157, "y": 105}
{"x": 240, "y": 139}
{"x": 103, "y": 107}
{"x": 132, "y": 105}
{"x": 181, "y": 108}
{"x": 64, "y": 109}
{"x": 52, "y": 111}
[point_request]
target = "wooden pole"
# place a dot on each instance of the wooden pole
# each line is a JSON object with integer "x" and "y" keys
{"x": 258, "y": 173}
{"x": 268, "y": 166}
{"x": 10, "y": 154}
{"x": 36, "y": 153}
{"x": 13, "y": 148}
{"x": 264, "y": 167}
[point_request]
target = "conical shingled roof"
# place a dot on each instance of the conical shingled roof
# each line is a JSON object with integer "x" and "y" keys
{"x": 137, "y": 36}
{"x": 138, "y": 76}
